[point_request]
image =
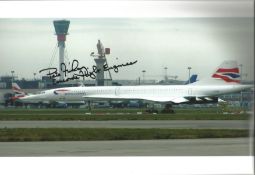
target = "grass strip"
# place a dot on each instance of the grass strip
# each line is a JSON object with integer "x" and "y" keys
{"x": 102, "y": 110}
{"x": 104, "y": 117}
{"x": 86, "y": 134}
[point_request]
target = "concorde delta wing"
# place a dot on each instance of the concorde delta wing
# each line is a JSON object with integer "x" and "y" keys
{"x": 103, "y": 97}
{"x": 166, "y": 99}
{"x": 148, "y": 98}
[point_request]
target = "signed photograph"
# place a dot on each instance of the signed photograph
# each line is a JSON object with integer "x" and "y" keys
{"x": 112, "y": 89}
{"x": 126, "y": 86}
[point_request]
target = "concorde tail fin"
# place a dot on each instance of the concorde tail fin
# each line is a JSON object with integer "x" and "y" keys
{"x": 226, "y": 73}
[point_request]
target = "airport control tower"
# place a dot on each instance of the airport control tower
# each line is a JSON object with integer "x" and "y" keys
{"x": 61, "y": 28}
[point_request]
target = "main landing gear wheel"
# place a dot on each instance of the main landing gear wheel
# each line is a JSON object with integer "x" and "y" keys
{"x": 168, "y": 109}
{"x": 152, "y": 110}
{"x": 89, "y": 106}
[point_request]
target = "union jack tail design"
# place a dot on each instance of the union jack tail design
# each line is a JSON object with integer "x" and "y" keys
{"x": 17, "y": 90}
{"x": 228, "y": 71}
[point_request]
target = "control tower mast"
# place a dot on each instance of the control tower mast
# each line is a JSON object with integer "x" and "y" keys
{"x": 61, "y": 28}
{"x": 100, "y": 60}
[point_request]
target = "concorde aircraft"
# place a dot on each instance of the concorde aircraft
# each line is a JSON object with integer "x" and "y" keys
{"x": 226, "y": 79}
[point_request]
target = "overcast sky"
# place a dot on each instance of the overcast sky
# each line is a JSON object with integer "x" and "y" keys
{"x": 26, "y": 45}
{"x": 202, "y": 37}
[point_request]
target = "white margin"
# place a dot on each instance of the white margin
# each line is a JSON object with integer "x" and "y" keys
{"x": 126, "y": 165}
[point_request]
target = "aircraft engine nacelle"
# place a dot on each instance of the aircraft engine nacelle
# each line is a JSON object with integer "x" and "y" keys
{"x": 202, "y": 100}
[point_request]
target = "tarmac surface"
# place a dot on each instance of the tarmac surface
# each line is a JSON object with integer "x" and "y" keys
{"x": 173, "y": 147}
{"x": 194, "y": 124}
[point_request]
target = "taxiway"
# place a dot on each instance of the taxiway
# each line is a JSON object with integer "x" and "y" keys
{"x": 173, "y": 147}
{"x": 175, "y": 124}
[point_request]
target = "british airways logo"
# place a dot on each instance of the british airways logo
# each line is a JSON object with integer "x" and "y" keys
{"x": 60, "y": 91}
{"x": 228, "y": 75}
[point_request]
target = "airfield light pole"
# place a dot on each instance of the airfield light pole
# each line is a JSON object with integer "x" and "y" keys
{"x": 34, "y": 75}
{"x": 165, "y": 73}
{"x": 12, "y": 75}
{"x": 189, "y": 73}
{"x": 241, "y": 77}
{"x": 144, "y": 76}
{"x": 241, "y": 72}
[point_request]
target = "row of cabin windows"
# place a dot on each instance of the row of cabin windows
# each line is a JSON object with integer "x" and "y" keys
{"x": 83, "y": 92}
{"x": 125, "y": 91}
{"x": 149, "y": 90}
{"x": 76, "y": 93}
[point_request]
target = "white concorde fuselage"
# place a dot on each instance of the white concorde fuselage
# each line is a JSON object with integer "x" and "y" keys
{"x": 157, "y": 93}
{"x": 224, "y": 80}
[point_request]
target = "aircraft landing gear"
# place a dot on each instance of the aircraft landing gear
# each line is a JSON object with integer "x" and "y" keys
{"x": 152, "y": 110}
{"x": 89, "y": 105}
{"x": 168, "y": 109}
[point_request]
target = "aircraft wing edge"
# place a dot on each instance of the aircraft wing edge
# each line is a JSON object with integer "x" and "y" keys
{"x": 155, "y": 99}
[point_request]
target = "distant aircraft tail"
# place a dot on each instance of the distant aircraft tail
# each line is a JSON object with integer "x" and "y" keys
{"x": 17, "y": 90}
{"x": 192, "y": 79}
{"x": 226, "y": 73}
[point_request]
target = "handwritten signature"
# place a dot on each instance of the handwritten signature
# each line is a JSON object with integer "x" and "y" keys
{"x": 80, "y": 72}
